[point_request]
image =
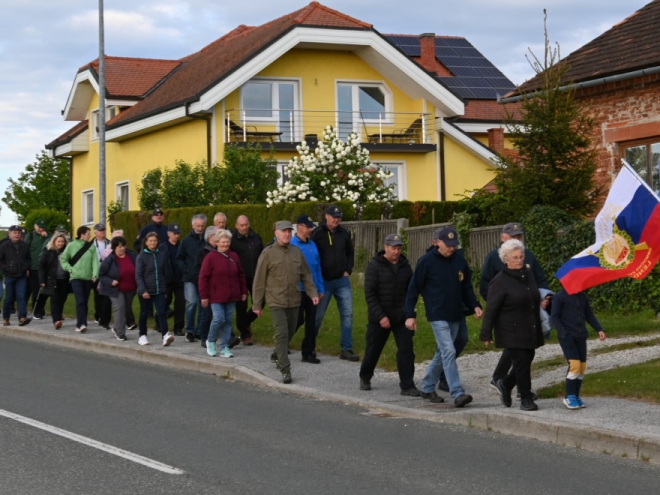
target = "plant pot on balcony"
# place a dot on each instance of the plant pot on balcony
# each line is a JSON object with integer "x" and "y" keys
{"x": 312, "y": 139}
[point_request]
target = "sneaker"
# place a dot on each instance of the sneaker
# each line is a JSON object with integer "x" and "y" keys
{"x": 462, "y": 400}
{"x": 37, "y": 317}
{"x": 178, "y": 333}
{"x": 24, "y": 321}
{"x": 533, "y": 397}
{"x": 505, "y": 393}
{"x": 443, "y": 385}
{"x": 582, "y": 404}
{"x": 131, "y": 327}
{"x": 273, "y": 357}
{"x": 95, "y": 320}
{"x": 412, "y": 391}
{"x": 234, "y": 341}
{"x": 311, "y": 359}
{"x": 247, "y": 341}
{"x": 349, "y": 356}
{"x": 58, "y": 325}
{"x": 105, "y": 327}
{"x": 432, "y": 396}
{"x": 190, "y": 337}
{"x": 226, "y": 353}
{"x": 5, "y": 322}
{"x": 528, "y": 405}
{"x": 122, "y": 338}
{"x": 167, "y": 340}
{"x": 286, "y": 378}
{"x": 571, "y": 402}
{"x": 143, "y": 340}
{"x": 203, "y": 343}
{"x": 81, "y": 329}
{"x": 493, "y": 384}
{"x": 365, "y": 384}
{"x": 114, "y": 332}
{"x": 211, "y": 349}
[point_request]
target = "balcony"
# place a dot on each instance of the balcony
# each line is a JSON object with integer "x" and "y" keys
{"x": 283, "y": 130}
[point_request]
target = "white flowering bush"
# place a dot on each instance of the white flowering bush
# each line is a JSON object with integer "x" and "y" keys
{"x": 334, "y": 171}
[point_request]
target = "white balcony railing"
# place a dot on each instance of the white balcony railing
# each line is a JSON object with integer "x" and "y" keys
{"x": 293, "y": 126}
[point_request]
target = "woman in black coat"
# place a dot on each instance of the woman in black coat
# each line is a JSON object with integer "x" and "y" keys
{"x": 117, "y": 281}
{"x": 513, "y": 311}
{"x": 54, "y": 280}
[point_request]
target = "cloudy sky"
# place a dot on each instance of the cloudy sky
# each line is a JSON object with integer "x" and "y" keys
{"x": 44, "y": 42}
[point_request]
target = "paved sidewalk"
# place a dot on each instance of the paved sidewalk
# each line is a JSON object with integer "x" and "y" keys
{"x": 608, "y": 425}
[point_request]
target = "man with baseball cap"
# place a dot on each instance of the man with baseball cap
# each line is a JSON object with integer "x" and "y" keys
{"x": 307, "y": 313}
{"x": 491, "y": 267}
{"x": 442, "y": 277}
{"x": 156, "y": 225}
{"x": 280, "y": 270}
{"x": 337, "y": 258}
{"x": 15, "y": 263}
{"x": 175, "y": 292}
{"x": 385, "y": 285}
{"x": 36, "y": 241}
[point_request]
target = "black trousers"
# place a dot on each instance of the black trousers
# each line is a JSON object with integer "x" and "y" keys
{"x": 175, "y": 293}
{"x": 307, "y": 316}
{"x": 245, "y": 316}
{"x": 503, "y": 365}
{"x": 58, "y": 299}
{"x": 405, "y": 355}
{"x": 521, "y": 374}
{"x": 102, "y": 307}
{"x": 38, "y": 301}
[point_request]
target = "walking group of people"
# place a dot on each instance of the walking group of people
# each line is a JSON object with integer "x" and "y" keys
{"x": 206, "y": 279}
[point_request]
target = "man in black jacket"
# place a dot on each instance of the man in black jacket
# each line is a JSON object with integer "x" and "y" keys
{"x": 15, "y": 263}
{"x": 185, "y": 261}
{"x": 156, "y": 225}
{"x": 247, "y": 244}
{"x": 385, "y": 284}
{"x": 492, "y": 266}
{"x": 175, "y": 285}
{"x": 337, "y": 257}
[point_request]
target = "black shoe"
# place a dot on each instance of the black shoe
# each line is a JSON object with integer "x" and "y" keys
{"x": 432, "y": 396}
{"x": 286, "y": 378}
{"x": 443, "y": 385}
{"x": 273, "y": 357}
{"x": 349, "y": 356}
{"x": 233, "y": 342}
{"x": 190, "y": 337}
{"x": 412, "y": 391}
{"x": 311, "y": 359}
{"x": 105, "y": 327}
{"x": 462, "y": 400}
{"x": 533, "y": 396}
{"x": 24, "y": 321}
{"x": 528, "y": 405}
{"x": 365, "y": 384}
{"x": 203, "y": 343}
{"x": 178, "y": 333}
{"x": 129, "y": 327}
{"x": 37, "y": 317}
{"x": 505, "y": 393}
{"x": 493, "y": 384}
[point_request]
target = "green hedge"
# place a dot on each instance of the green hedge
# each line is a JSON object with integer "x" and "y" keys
{"x": 263, "y": 218}
{"x": 53, "y": 219}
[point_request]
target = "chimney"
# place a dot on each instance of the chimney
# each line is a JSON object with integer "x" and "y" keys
{"x": 496, "y": 140}
{"x": 427, "y": 52}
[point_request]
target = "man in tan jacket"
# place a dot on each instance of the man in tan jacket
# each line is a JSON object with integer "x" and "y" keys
{"x": 280, "y": 270}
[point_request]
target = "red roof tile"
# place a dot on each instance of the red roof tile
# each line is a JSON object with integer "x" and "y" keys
{"x": 68, "y": 135}
{"x": 630, "y": 45}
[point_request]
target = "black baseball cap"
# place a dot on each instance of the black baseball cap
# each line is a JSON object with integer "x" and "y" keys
{"x": 306, "y": 221}
{"x": 512, "y": 228}
{"x": 448, "y": 235}
{"x": 334, "y": 211}
{"x": 174, "y": 228}
{"x": 157, "y": 211}
{"x": 394, "y": 240}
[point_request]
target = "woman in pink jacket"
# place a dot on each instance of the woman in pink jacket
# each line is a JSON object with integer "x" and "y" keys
{"x": 221, "y": 284}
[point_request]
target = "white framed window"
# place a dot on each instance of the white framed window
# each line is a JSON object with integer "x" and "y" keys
{"x": 360, "y": 103}
{"x": 122, "y": 193}
{"x": 282, "y": 177}
{"x": 88, "y": 207}
{"x": 110, "y": 112}
{"x": 398, "y": 178}
{"x": 272, "y": 100}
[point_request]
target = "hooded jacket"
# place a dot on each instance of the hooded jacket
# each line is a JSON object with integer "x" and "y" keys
{"x": 15, "y": 259}
{"x": 385, "y": 288}
{"x": 335, "y": 249}
{"x": 152, "y": 271}
{"x": 248, "y": 248}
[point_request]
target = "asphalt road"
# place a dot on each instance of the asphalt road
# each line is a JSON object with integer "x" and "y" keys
{"x": 232, "y": 438}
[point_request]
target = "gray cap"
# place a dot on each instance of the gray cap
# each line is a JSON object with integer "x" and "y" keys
{"x": 448, "y": 235}
{"x": 283, "y": 225}
{"x": 512, "y": 228}
{"x": 394, "y": 240}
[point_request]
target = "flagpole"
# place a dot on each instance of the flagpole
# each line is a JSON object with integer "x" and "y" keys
{"x": 639, "y": 179}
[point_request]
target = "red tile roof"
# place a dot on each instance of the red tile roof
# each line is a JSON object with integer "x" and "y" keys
{"x": 132, "y": 77}
{"x": 206, "y": 68}
{"x": 630, "y": 45}
{"x": 68, "y": 135}
{"x": 489, "y": 110}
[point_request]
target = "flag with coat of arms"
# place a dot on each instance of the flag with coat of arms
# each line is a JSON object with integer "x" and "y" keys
{"x": 627, "y": 237}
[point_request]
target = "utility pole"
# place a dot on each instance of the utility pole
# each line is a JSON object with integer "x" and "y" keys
{"x": 101, "y": 117}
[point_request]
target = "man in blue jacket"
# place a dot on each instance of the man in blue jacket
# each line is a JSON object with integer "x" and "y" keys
{"x": 442, "y": 277}
{"x": 307, "y": 314}
{"x": 156, "y": 225}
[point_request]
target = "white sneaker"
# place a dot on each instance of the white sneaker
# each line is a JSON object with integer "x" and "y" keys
{"x": 167, "y": 340}
{"x": 83, "y": 329}
{"x": 143, "y": 340}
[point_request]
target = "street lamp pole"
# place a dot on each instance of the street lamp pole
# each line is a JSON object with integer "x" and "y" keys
{"x": 101, "y": 117}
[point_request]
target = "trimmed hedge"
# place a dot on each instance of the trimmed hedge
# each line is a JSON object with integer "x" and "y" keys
{"x": 263, "y": 218}
{"x": 53, "y": 219}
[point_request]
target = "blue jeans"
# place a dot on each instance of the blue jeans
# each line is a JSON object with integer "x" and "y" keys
{"x": 341, "y": 289}
{"x": 460, "y": 342}
{"x": 146, "y": 307}
{"x": 16, "y": 287}
{"x": 445, "y": 358}
{"x": 192, "y": 304}
{"x": 223, "y": 313}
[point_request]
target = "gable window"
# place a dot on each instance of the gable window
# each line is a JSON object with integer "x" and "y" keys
{"x": 271, "y": 101}
{"x": 110, "y": 112}
{"x": 88, "y": 207}
{"x": 644, "y": 157}
{"x": 122, "y": 190}
{"x": 359, "y": 104}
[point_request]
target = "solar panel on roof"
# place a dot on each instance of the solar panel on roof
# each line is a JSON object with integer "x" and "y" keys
{"x": 411, "y": 51}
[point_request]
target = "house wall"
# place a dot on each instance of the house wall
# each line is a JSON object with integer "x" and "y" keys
{"x": 463, "y": 171}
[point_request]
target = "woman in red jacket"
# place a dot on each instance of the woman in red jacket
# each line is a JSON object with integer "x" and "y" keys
{"x": 221, "y": 284}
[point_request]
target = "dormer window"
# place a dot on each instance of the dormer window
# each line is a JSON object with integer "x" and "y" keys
{"x": 110, "y": 112}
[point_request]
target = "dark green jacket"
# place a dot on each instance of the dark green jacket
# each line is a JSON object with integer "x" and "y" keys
{"x": 36, "y": 244}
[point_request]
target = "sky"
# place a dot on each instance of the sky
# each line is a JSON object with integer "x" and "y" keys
{"x": 44, "y": 42}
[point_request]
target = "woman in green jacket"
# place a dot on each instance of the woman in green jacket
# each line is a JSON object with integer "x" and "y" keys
{"x": 82, "y": 263}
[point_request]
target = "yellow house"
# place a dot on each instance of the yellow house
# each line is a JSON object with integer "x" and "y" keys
{"x": 417, "y": 107}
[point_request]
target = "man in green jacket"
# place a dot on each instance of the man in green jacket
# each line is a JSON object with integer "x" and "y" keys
{"x": 280, "y": 270}
{"x": 36, "y": 240}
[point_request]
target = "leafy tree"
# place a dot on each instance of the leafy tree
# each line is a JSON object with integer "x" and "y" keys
{"x": 149, "y": 193}
{"x": 246, "y": 177}
{"x": 53, "y": 218}
{"x": 44, "y": 184}
{"x": 556, "y": 159}
{"x": 335, "y": 171}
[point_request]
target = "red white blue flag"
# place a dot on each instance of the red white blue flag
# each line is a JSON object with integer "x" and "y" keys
{"x": 627, "y": 237}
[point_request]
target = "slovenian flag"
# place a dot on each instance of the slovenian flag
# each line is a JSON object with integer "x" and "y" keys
{"x": 627, "y": 237}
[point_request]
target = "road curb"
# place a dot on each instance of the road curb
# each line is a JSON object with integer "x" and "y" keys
{"x": 514, "y": 423}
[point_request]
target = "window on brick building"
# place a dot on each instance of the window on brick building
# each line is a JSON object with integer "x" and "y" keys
{"x": 644, "y": 157}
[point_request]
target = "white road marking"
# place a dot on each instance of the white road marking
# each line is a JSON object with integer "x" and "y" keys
{"x": 93, "y": 443}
